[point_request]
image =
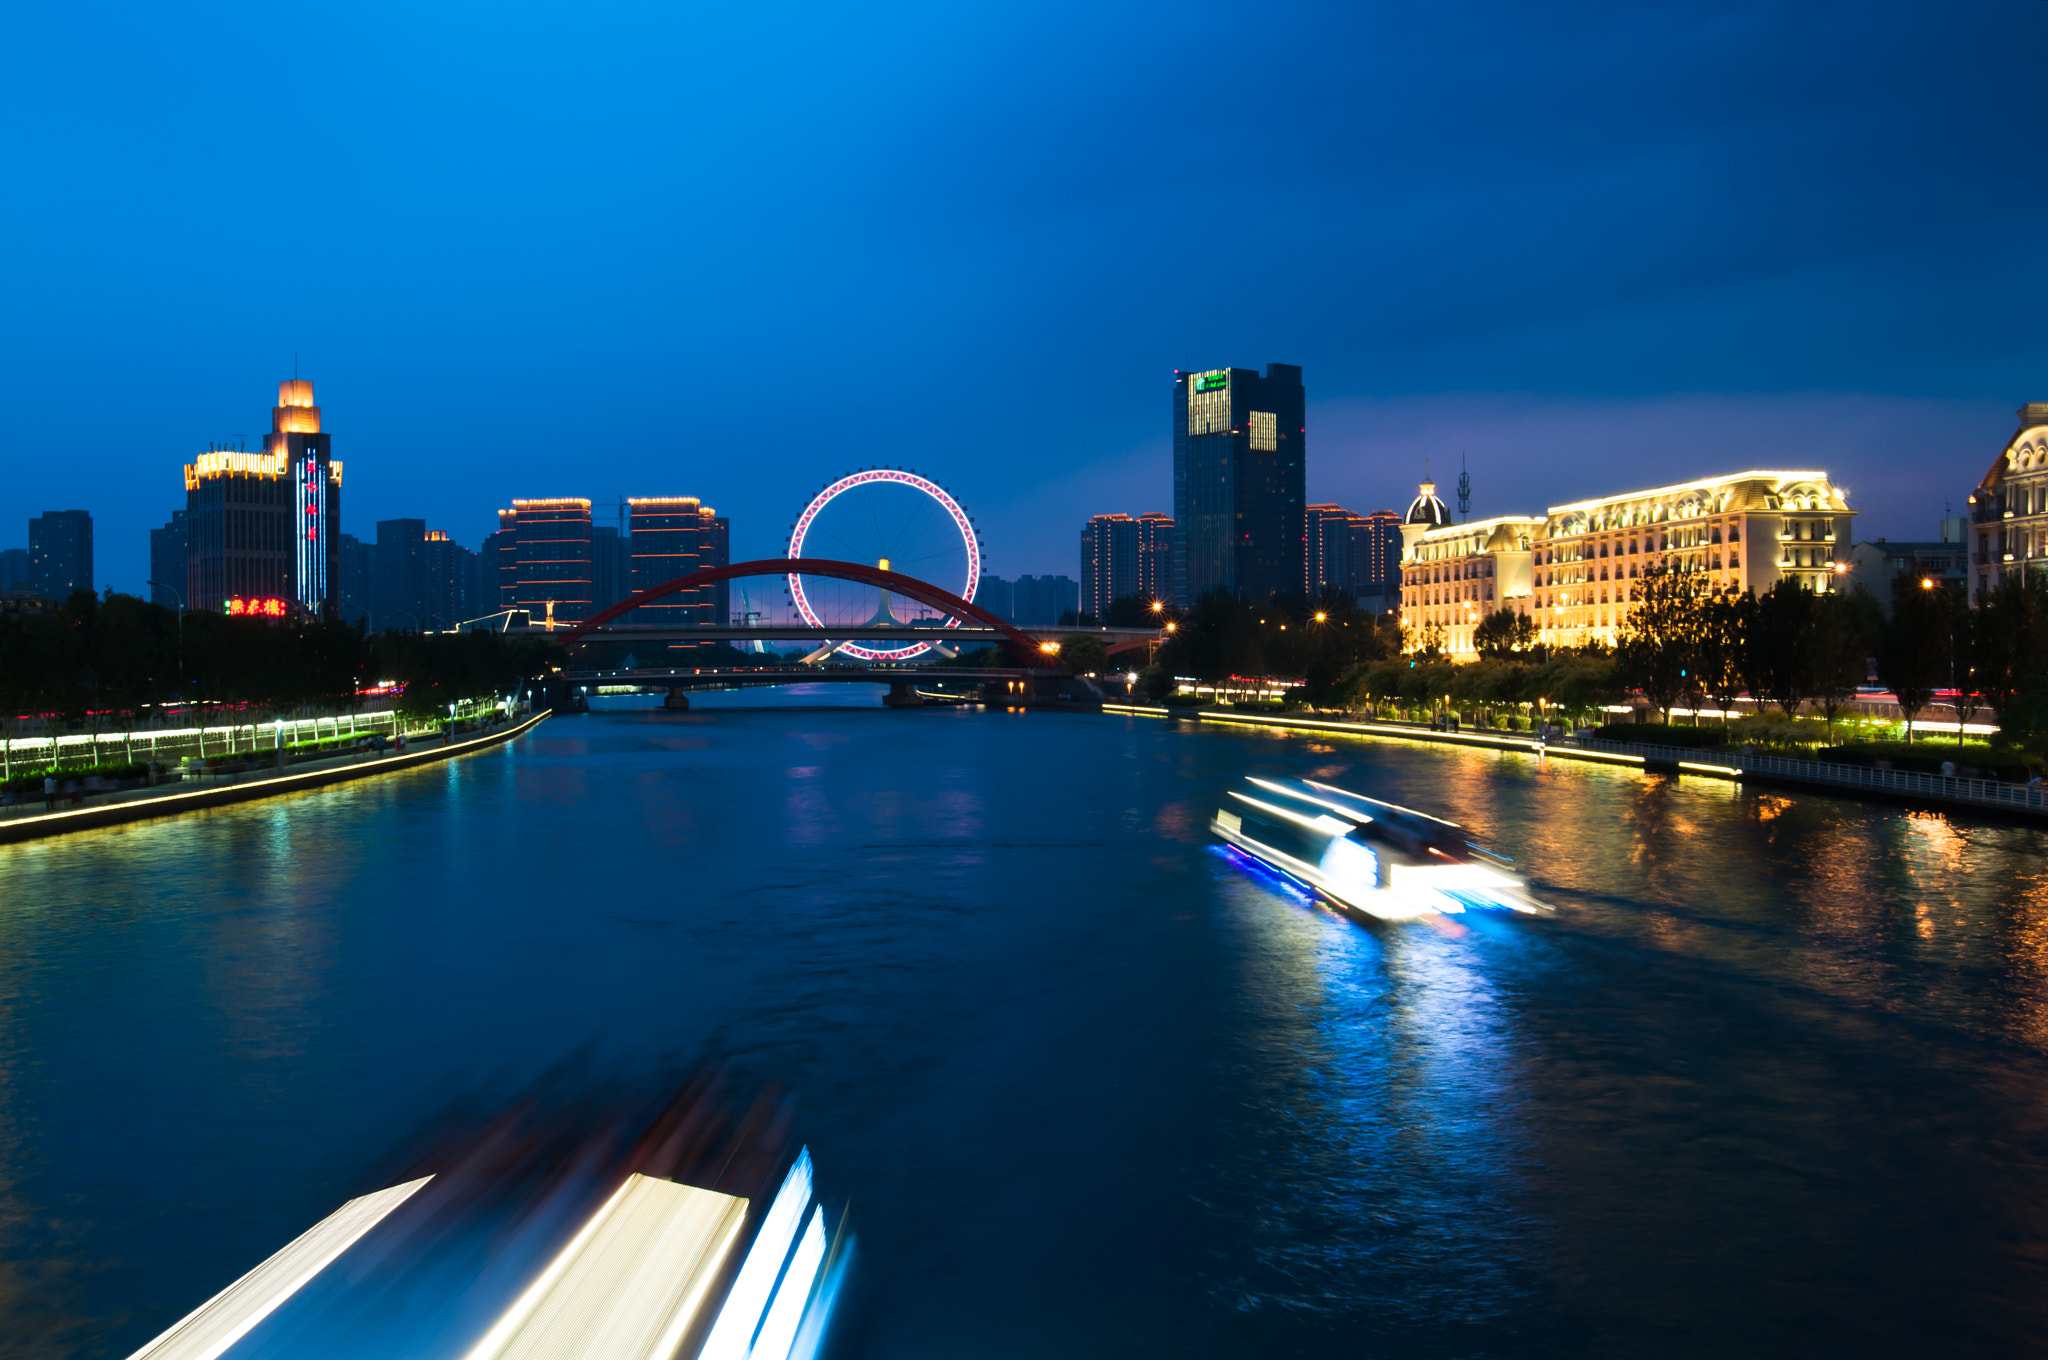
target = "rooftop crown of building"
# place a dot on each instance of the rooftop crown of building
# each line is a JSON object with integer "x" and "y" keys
{"x": 295, "y": 412}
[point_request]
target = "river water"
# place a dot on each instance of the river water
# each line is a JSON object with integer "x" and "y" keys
{"x": 1773, "y": 1080}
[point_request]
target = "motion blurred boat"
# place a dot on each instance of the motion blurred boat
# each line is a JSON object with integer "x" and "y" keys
{"x": 1370, "y": 858}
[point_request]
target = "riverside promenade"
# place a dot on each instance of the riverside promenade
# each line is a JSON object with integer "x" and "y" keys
{"x": 190, "y": 795}
{"x": 2025, "y": 801}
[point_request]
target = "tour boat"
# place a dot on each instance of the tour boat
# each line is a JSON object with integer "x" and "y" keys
{"x": 1368, "y": 857}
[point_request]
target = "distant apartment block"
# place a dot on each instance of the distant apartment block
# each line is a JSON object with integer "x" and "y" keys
{"x": 60, "y": 552}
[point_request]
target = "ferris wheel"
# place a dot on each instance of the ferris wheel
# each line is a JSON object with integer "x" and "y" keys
{"x": 893, "y": 519}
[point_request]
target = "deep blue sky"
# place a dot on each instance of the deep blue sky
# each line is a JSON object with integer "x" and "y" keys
{"x": 733, "y": 251}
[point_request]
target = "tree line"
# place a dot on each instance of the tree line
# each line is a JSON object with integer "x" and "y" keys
{"x": 1681, "y": 645}
{"x": 98, "y": 661}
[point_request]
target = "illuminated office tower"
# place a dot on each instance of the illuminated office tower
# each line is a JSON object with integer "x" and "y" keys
{"x": 1109, "y": 562}
{"x": 1155, "y": 556}
{"x": 267, "y": 525}
{"x": 553, "y": 556}
{"x": 451, "y": 581}
{"x": 1239, "y": 478}
{"x": 316, "y": 487}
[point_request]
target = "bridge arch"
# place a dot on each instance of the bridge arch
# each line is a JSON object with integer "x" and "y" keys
{"x": 1022, "y": 646}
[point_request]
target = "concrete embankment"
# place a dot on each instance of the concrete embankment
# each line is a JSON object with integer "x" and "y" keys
{"x": 174, "y": 800}
{"x": 2020, "y": 801}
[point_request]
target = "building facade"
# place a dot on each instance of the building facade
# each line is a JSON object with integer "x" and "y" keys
{"x": 498, "y": 572}
{"x": 267, "y": 526}
{"x": 1155, "y": 556}
{"x": 1457, "y": 574}
{"x": 1877, "y": 566}
{"x": 60, "y": 552}
{"x": 553, "y": 567}
{"x": 1739, "y": 533}
{"x": 2009, "y": 508}
{"x": 1038, "y": 601}
{"x": 1239, "y": 480}
{"x": 17, "y": 573}
{"x": 358, "y": 573}
{"x": 168, "y": 565}
{"x": 1109, "y": 562}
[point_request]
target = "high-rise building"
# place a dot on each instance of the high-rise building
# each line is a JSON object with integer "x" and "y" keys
{"x": 998, "y": 596}
{"x": 498, "y": 569}
{"x": 553, "y": 556}
{"x": 60, "y": 552}
{"x": 1155, "y": 555}
{"x": 1109, "y": 562}
{"x": 358, "y": 577}
{"x": 1329, "y": 547}
{"x": 295, "y": 436}
{"x": 611, "y": 566}
{"x": 17, "y": 576}
{"x": 1040, "y": 601}
{"x": 398, "y": 593}
{"x": 665, "y": 544}
{"x": 168, "y": 566}
{"x": 451, "y": 581}
{"x": 716, "y": 537}
{"x": 1356, "y": 553}
{"x": 267, "y": 525}
{"x": 1239, "y": 478}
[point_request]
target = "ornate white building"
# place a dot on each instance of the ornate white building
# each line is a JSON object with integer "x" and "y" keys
{"x": 2009, "y": 509}
{"x": 1574, "y": 569}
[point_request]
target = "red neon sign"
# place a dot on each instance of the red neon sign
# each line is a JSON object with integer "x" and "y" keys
{"x": 269, "y": 609}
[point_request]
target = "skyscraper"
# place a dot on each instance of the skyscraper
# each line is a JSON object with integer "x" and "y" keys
{"x": 167, "y": 562}
{"x": 611, "y": 566}
{"x": 316, "y": 489}
{"x": 665, "y": 544}
{"x": 1239, "y": 479}
{"x": 716, "y": 537}
{"x": 451, "y": 581}
{"x": 398, "y": 593}
{"x": 1155, "y": 556}
{"x": 358, "y": 574}
{"x": 17, "y": 575}
{"x": 267, "y": 525}
{"x": 60, "y": 552}
{"x": 1109, "y": 562}
{"x": 1357, "y": 553}
{"x": 498, "y": 572}
{"x": 553, "y": 548}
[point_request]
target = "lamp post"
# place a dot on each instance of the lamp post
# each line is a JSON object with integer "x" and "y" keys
{"x": 181, "y": 632}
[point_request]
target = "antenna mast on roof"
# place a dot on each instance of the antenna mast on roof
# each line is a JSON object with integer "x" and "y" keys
{"x": 1464, "y": 488}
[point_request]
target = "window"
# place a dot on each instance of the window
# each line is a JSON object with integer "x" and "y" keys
{"x": 1265, "y": 431}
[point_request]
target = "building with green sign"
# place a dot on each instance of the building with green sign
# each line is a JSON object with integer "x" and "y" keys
{"x": 1239, "y": 482}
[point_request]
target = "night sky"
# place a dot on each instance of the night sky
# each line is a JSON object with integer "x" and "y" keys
{"x": 734, "y": 251}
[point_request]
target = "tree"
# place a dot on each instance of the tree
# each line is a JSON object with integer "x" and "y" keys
{"x": 2011, "y": 639}
{"x": 1426, "y": 642}
{"x": 1219, "y": 638}
{"x": 1133, "y": 611}
{"x": 1504, "y": 632}
{"x": 1780, "y": 636}
{"x": 1839, "y": 654}
{"x": 1084, "y": 654}
{"x": 1717, "y": 650}
{"x": 1913, "y": 659}
{"x": 1654, "y": 652}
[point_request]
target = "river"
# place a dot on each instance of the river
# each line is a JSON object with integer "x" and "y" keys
{"x": 1773, "y": 1080}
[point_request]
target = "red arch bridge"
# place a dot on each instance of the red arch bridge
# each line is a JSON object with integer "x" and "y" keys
{"x": 1033, "y": 650}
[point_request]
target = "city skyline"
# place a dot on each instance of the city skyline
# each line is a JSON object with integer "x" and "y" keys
{"x": 1809, "y": 255}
